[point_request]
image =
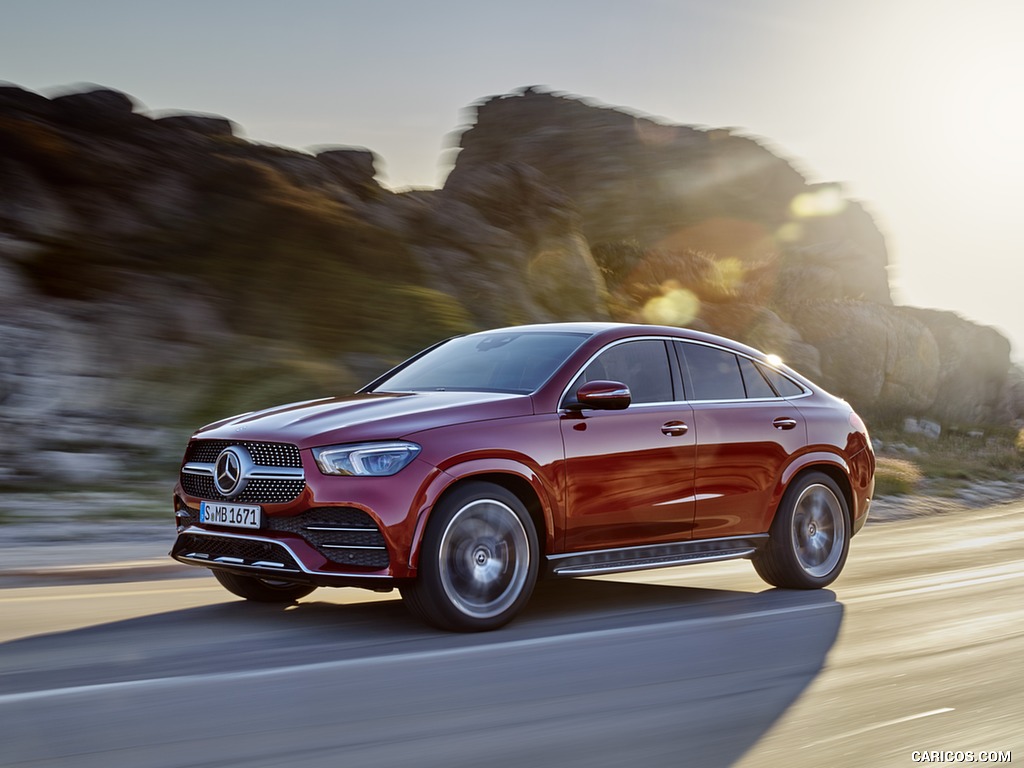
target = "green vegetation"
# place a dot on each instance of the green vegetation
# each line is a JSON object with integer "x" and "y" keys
{"x": 895, "y": 477}
{"x": 948, "y": 463}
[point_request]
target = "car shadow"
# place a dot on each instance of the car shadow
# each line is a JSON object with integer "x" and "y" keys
{"x": 725, "y": 665}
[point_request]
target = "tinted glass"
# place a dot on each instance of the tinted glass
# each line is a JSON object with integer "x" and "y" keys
{"x": 714, "y": 372}
{"x": 754, "y": 382}
{"x": 783, "y": 384}
{"x": 641, "y": 365}
{"x": 487, "y": 362}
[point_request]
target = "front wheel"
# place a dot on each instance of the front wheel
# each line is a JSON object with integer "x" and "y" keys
{"x": 262, "y": 590}
{"x": 810, "y": 536}
{"x": 478, "y": 563}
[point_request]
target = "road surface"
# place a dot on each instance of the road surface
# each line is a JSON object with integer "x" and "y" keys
{"x": 919, "y": 647}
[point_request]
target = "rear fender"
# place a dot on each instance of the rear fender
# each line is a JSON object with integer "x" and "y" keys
{"x": 814, "y": 460}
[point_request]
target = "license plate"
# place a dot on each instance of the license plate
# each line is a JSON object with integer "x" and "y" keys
{"x": 233, "y": 515}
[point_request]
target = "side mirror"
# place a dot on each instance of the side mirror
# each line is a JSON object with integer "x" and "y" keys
{"x": 603, "y": 395}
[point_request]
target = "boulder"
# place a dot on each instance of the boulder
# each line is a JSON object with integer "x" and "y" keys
{"x": 1011, "y": 408}
{"x": 881, "y": 360}
{"x": 207, "y": 125}
{"x": 354, "y": 168}
{"x": 16, "y": 100}
{"x": 974, "y": 363}
{"x": 95, "y": 101}
{"x": 100, "y": 109}
{"x": 677, "y": 188}
{"x": 507, "y": 244}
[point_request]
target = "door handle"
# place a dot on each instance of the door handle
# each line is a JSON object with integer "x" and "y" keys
{"x": 674, "y": 428}
{"x": 784, "y": 422}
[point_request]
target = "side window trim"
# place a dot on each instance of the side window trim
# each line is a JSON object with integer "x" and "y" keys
{"x": 676, "y": 368}
{"x": 682, "y": 383}
{"x": 684, "y": 370}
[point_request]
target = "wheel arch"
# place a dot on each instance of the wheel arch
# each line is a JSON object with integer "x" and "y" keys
{"x": 829, "y": 464}
{"x": 841, "y": 480}
{"x": 519, "y": 481}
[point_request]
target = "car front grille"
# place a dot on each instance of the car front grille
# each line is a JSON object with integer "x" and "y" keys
{"x": 234, "y": 551}
{"x": 343, "y": 535}
{"x": 273, "y": 490}
{"x": 268, "y": 454}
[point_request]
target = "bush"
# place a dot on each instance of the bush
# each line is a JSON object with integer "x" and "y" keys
{"x": 894, "y": 477}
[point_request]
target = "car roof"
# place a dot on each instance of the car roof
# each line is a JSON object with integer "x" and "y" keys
{"x": 603, "y": 332}
{"x": 610, "y": 331}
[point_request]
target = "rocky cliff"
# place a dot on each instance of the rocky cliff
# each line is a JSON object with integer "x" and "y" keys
{"x": 710, "y": 229}
{"x": 155, "y": 273}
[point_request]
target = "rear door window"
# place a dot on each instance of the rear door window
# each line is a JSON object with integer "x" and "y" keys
{"x": 714, "y": 373}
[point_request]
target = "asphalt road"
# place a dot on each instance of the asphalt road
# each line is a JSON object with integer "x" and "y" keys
{"x": 918, "y": 647}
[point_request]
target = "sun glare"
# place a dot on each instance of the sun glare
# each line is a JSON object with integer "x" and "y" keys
{"x": 963, "y": 80}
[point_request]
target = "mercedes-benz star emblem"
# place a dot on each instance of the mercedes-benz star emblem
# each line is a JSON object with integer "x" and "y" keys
{"x": 228, "y": 474}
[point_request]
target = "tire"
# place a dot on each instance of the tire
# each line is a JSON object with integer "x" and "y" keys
{"x": 478, "y": 562}
{"x": 262, "y": 590}
{"x": 810, "y": 536}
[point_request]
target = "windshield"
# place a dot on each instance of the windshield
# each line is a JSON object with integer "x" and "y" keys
{"x": 511, "y": 361}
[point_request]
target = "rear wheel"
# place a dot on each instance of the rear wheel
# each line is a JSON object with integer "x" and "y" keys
{"x": 478, "y": 563}
{"x": 262, "y": 590}
{"x": 810, "y": 536}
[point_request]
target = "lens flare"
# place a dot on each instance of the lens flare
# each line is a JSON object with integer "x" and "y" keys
{"x": 730, "y": 273}
{"x": 675, "y": 306}
{"x": 790, "y": 232}
{"x": 826, "y": 201}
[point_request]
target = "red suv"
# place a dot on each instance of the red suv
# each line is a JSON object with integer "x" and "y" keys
{"x": 490, "y": 460}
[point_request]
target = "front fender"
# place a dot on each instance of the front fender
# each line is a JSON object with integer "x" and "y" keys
{"x": 482, "y": 468}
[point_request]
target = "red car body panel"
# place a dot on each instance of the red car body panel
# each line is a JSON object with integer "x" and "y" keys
{"x": 628, "y": 482}
{"x": 739, "y": 463}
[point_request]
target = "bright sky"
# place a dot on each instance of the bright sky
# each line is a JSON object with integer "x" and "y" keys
{"x": 917, "y": 106}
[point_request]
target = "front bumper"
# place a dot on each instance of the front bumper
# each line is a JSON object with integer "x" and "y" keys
{"x": 338, "y": 531}
{"x": 257, "y": 555}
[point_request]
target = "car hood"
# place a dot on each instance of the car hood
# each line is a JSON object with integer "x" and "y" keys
{"x": 385, "y": 416}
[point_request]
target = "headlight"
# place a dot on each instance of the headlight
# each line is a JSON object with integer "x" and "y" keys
{"x": 365, "y": 459}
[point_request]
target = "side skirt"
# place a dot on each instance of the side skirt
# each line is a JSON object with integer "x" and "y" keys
{"x": 654, "y": 556}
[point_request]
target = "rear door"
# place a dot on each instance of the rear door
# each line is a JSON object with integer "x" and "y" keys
{"x": 746, "y": 434}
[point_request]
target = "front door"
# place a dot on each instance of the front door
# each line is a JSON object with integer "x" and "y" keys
{"x": 630, "y": 473}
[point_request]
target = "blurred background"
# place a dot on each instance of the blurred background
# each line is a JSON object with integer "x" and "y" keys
{"x": 388, "y": 174}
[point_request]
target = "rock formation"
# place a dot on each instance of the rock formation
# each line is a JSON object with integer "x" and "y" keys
{"x": 724, "y": 235}
{"x": 155, "y": 273}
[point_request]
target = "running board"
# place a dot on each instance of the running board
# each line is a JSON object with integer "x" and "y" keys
{"x": 654, "y": 556}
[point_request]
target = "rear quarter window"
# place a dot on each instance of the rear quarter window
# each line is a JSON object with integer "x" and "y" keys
{"x": 784, "y": 385}
{"x": 755, "y": 382}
